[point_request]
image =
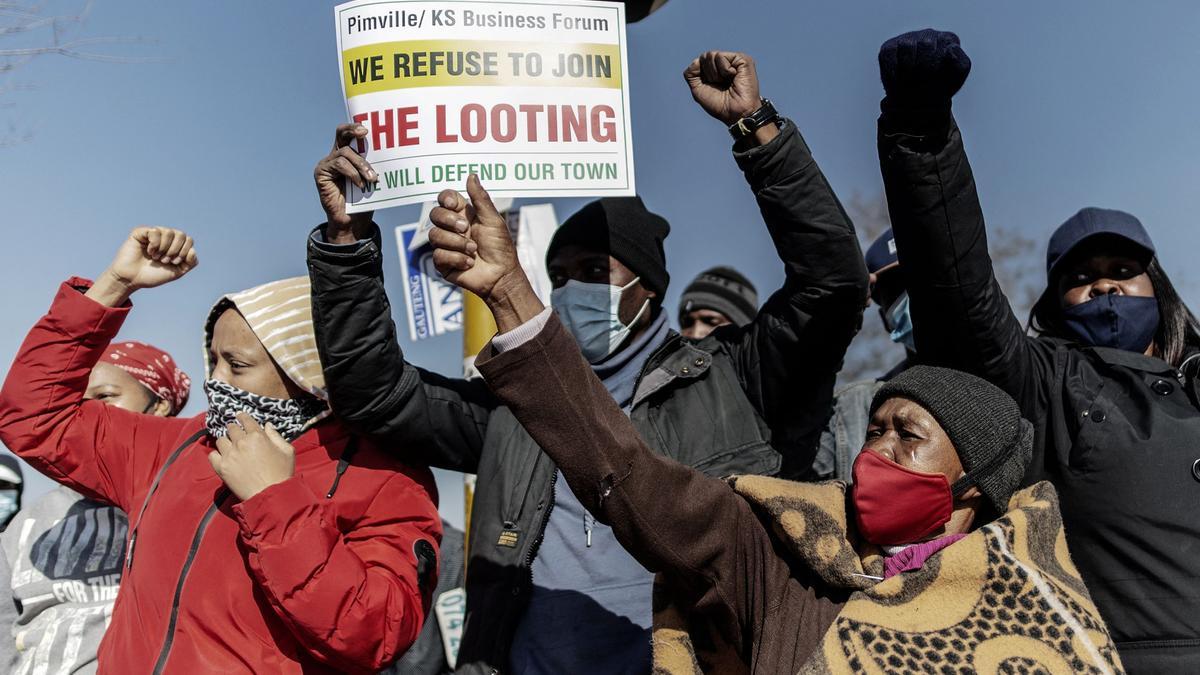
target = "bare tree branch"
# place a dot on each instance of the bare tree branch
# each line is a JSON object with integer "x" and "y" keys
{"x": 1015, "y": 258}
{"x": 76, "y": 50}
{"x": 33, "y": 29}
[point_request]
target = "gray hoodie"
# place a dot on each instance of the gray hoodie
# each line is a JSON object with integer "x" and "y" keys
{"x": 66, "y": 555}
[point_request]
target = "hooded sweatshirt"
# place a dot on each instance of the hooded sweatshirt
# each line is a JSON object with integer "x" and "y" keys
{"x": 65, "y": 554}
{"x": 326, "y": 572}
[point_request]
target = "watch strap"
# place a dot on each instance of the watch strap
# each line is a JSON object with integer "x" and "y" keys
{"x": 766, "y": 114}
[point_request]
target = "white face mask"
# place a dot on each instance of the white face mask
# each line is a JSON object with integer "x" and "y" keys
{"x": 591, "y": 312}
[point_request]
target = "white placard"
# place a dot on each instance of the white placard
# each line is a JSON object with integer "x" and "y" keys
{"x": 533, "y": 96}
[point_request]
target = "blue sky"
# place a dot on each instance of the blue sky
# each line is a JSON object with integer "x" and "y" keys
{"x": 1070, "y": 103}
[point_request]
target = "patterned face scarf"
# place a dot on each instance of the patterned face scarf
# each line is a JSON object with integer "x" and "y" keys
{"x": 288, "y": 416}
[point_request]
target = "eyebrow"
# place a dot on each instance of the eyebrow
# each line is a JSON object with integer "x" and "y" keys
{"x": 233, "y": 353}
{"x": 909, "y": 418}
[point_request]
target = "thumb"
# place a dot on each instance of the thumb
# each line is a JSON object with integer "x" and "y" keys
{"x": 214, "y": 460}
{"x": 480, "y": 199}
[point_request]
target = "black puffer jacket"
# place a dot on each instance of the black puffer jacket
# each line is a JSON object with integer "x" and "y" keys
{"x": 1118, "y": 433}
{"x": 749, "y": 400}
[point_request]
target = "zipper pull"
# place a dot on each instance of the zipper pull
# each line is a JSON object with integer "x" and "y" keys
{"x": 129, "y": 552}
{"x": 587, "y": 528}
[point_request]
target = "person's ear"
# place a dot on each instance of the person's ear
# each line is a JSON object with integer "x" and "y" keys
{"x": 162, "y": 408}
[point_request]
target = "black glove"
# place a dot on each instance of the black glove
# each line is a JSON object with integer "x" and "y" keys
{"x": 921, "y": 72}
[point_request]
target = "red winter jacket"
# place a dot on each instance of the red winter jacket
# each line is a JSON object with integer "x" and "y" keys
{"x": 289, "y": 581}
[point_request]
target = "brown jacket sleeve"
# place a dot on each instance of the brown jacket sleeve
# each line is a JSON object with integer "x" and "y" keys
{"x": 669, "y": 517}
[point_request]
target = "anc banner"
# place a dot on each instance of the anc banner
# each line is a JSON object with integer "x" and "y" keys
{"x": 531, "y": 95}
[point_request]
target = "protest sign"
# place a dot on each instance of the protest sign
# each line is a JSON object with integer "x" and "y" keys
{"x": 532, "y": 96}
{"x": 434, "y": 304}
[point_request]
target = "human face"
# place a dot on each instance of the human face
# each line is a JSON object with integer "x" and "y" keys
{"x": 1101, "y": 266}
{"x": 904, "y": 432}
{"x": 113, "y": 386}
{"x": 239, "y": 358}
{"x": 698, "y": 323}
{"x": 594, "y": 267}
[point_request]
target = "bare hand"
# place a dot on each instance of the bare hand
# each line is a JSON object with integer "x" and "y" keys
{"x": 725, "y": 84}
{"x": 472, "y": 249}
{"x": 331, "y": 173}
{"x": 472, "y": 246}
{"x": 149, "y": 257}
{"x": 251, "y": 458}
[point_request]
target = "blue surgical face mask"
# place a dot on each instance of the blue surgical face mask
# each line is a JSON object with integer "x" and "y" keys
{"x": 1119, "y": 321}
{"x": 898, "y": 321}
{"x": 591, "y": 312}
{"x": 9, "y": 504}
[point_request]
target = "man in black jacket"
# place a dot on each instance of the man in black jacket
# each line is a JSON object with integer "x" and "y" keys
{"x": 549, "y": 589}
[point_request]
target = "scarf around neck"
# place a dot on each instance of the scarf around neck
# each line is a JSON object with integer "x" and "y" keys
{"x": 620, "y": 372}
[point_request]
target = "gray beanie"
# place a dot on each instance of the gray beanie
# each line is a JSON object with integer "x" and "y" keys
{"x": 985, "y": 425}
{"x": 724, "y": 290}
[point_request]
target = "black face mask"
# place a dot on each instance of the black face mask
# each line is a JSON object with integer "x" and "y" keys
{"x": 1118, "y": 321}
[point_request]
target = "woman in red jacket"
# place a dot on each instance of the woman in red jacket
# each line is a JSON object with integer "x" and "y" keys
{"x": 263, "y": 537}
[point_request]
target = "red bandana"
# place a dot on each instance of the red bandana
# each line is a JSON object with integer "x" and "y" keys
{"x": 154, "y": 368}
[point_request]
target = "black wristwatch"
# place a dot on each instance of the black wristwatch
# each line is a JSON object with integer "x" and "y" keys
{"x": 754, "y": 121}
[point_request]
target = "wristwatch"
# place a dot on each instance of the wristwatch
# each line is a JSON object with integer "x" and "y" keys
{"x": 754, "y": 121}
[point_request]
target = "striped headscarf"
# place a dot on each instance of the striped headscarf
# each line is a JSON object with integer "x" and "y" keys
{"x": 280, "y": 314}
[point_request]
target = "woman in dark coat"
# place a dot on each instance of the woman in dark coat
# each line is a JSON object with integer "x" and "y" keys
{"x": 1109, "y": 377}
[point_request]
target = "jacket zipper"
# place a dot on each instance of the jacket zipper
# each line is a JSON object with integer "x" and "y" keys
{"x": 169, "y": 640}
{"x": 150, "y": 493}
{"x": 537, "y": 543}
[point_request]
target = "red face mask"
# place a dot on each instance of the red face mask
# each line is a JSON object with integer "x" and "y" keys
{"x": 894, "y": 505}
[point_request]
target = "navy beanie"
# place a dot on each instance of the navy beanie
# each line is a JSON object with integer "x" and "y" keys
{"x": 882, "y": 252}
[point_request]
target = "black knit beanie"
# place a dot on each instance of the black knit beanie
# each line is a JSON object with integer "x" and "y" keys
{"x": 993, "y": 442}
{"x": 724, "y": 290}
{"x": 625, "y": 229}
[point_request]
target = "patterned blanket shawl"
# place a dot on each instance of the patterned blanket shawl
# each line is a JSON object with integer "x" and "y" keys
{"x": 1005, "y": 599}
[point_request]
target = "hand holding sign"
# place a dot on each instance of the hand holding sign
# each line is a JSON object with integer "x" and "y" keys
{"x": 473, "y": 250}
{"x": 725, "y": 84}
{"x": 341, "y": 164}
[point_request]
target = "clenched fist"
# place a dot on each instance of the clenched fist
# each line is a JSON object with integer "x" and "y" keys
{"x": 923, "y": 68}
{"x": 149, "y": 257}
{"x": 725, "y": 84}
{"x": 251, "y": 458}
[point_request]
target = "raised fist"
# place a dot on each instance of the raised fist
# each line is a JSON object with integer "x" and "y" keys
{"x": 924, "y": 68}
{"x": 725, "y": 84}
{"x": 153, "y": 256}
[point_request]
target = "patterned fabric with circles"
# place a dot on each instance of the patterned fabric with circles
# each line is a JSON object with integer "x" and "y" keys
{"x": 1005, "y": 599}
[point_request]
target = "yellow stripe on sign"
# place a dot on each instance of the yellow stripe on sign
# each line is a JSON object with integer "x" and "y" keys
{"x": 447, "y": 63}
